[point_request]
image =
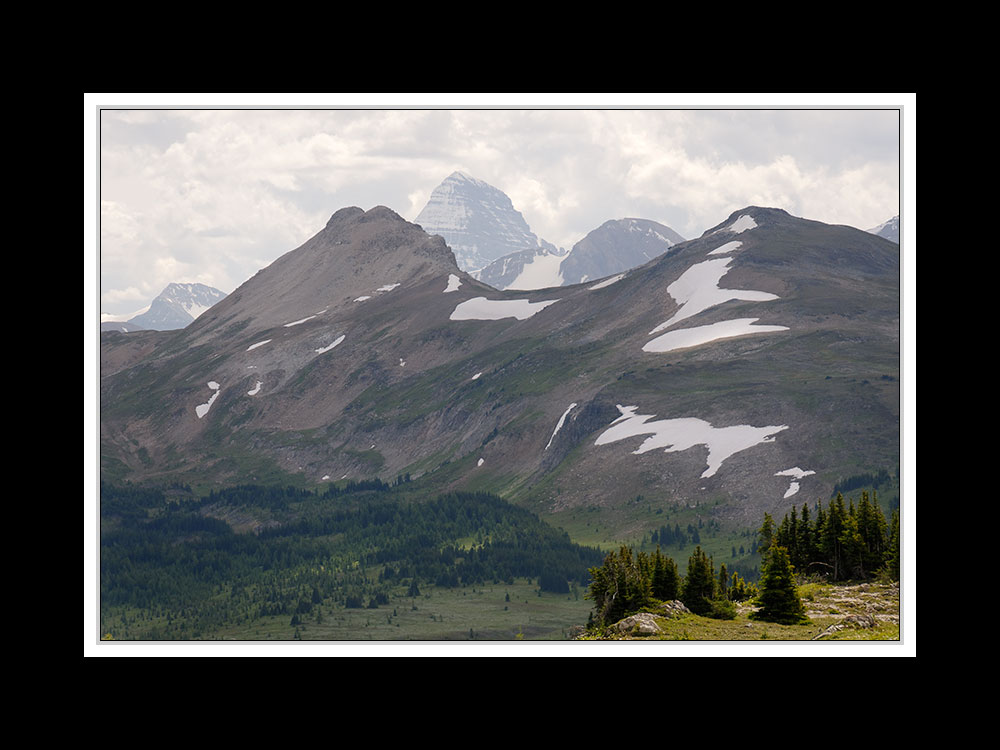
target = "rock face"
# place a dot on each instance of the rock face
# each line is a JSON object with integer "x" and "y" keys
{"x": 177, "y": 306}
{"x": 617, "y": 246}
{"x": 478, "y": 221}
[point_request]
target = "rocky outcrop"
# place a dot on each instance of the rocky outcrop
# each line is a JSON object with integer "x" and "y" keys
{"x": 643, "y": 624}
{"x": 851, "y": 622}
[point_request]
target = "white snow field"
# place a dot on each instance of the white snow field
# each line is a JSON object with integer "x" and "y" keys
{"x": 727, "y": 248}
{"x": 697, "y": 289}
{"x": 202, "y": 409}
{"x": 607, "y": 282}
{"x": 299, "y": 322}
{"x": 476, "y": 376}
{"x": 680, "y": 434}
{"x": 362, "y": 299}
{"x": 797, "y": 474}
{"x": 683, "y": 338}
{"x": 559, "y": 424}
{"x": 480, "y": 308}
{"x": 453, "y": 283}
{"x": 742, "y": 224}
{"x": 480, "y": 462}
{"x": 256, "y": 389}
{"x": 541, "y": 273}
{"x": 328, "y": 347}
{"x": 259, "y": 343}
{"x": 387, "y": 288}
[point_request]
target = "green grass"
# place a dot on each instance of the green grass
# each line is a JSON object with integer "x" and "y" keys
{"x": 438, "y": 614}
{"x": 825, "y": 604}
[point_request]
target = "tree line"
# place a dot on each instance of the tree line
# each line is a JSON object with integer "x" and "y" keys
{"x": 840, "y": 542}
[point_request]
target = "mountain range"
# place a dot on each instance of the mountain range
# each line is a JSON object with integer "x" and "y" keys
{"x": 493, "y": 242}
{"x": 747, "y": 370}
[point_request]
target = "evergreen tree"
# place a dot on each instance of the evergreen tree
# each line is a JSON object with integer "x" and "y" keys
{"x": 618, "y": 587}
{"x": 778, "y": 598}
{"x": 698, "y": 589}
{"x": 892, "y": 554}
{"x": 765, "y": 535}
{"x": 666, "y": 581}
{"x": 807, "y": 551}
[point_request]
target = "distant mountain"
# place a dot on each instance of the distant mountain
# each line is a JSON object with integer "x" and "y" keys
{"x": 888, "y": 229}
{"x": 176, "y": 306}
{"x": 478, "y": 221}
{"x": 120, "y": 325}
{"x": 616, "y": 246}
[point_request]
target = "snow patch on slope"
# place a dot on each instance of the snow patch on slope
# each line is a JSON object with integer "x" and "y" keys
{"x": 327, "y": 348}
{"x": 680, "y": 434}
{"x": 683, "y": 338}
{"x": 202, "y": 409}
{"x": 607, "y": 282}
{"x": 541, "y": 273}
{"x": 697, "y": 289}
{"x": 559, "y": 424}
{"x": 480, "y": 308}
{"x": 797, "y": 474}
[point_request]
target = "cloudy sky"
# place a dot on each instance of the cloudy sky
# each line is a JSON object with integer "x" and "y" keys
{"x": 188, "y": 191}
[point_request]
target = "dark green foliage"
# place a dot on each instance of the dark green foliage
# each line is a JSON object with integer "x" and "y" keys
{"x": 779, "y": 599}
{"x": 619, "y": 586}
{"x": 846, "y": 541}
{"x": 699, "y": 589}
{"x": 665, "y": 583}
{"x": 188, "y": 574}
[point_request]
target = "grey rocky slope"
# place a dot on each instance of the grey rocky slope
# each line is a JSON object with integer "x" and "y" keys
{"x": 176, "y": 306}
{"x": 758, "y": 358}
{"x": 478, "y": 221}
{"x": 617, "y": 246}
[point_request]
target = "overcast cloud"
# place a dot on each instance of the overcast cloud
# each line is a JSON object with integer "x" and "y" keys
{"x": 212, "y": 196}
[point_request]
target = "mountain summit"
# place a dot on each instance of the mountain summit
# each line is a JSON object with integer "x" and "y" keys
{"x": 478, "y": 221}
{"x": 176, "y": 306}
{"x": 617, "y": 246}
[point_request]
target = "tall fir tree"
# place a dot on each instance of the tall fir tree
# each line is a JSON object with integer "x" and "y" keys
{"x": 779, "y": 598}
{"x": 698, "y": 589}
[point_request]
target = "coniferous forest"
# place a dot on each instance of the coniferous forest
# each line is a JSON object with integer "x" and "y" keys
{"x": 178, "y": 566}
{"x": 173, "y": 567}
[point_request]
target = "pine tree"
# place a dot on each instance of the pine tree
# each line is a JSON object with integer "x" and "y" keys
{"x": 618, "y": 587}
{"x": 892, "y": 554}
{"x": 778, "y": 598}
{"x": 666, "y": 581}
{"x": 698, "y": 590}
{"x": 807, "y": 551}
{"x": 765, "y": 535}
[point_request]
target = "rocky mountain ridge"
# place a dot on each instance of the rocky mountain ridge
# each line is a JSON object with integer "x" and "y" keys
{"x": 763, "y": 353}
